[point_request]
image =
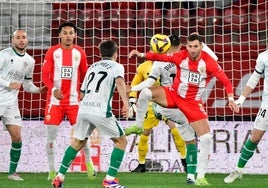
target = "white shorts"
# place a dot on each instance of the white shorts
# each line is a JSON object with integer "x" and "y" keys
{"x": 86, "y": 123}
{"x": 175, "y": 115}
{"x": 10, "y": 115}
{"x": 261, "y": 121}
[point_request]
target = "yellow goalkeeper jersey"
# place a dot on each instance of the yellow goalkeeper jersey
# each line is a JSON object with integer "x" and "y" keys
{"x": 143, "y": 71}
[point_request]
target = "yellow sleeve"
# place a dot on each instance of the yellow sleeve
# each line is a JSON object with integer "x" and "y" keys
{"x": 138, "y": 78}
{"x": 143, "y": 71}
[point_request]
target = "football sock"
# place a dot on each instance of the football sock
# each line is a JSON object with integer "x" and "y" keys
{"x": 115, "y": 161}
{"x": 203, "y": 158}
{"x": 52, "y": 131}
{"x": 15, "y": 153}
{"x": 87, "y": 153}
{"x": 50, "y": 156}
{"x": 142, "y": 105}
{"x": 246, "y": 153}
{"x": 179, "y": 142}
{"x": 143, "y": 148}
{"x": 68, "y": 158}
{"x": 191, "y": 158}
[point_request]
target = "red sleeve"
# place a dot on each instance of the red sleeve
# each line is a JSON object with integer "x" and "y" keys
{"x": 222, "y": 77}
{"x": 47, "y": 69}
{"x": 83, "y": 64}
{"x": 172, "y": 57}
{"x": 217, "y": 71}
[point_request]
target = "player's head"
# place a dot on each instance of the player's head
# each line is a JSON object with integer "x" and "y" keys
{"x": 67, "y": 24}
{"x": 194, "y": 46}
{"x": 175, "y": 43}
{"x": 67, "y": 33}
{"x": 108, "y": 49}
{"x": 20, "y": 40}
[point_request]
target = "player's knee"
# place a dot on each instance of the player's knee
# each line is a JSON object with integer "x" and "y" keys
{"x": 146, "y": 94}
{"x": 205, "y": 140}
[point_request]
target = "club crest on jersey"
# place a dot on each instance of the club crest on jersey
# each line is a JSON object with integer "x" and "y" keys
{"x": 202, "y": 69}
{"x": 48, "y": 117}
{"x": 25, "y": 64}
{"x": 76, "y": 58}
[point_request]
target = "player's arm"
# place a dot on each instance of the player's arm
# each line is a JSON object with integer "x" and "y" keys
{"x": 222, "y": 77}
{"x": 250, "y": 86}
{"x": 47, "y": 69}
{"x": 28, "y": 84}
{"x": 121, "y": 88}
{"x": 156, "y": 57}
{"x": 150, "y": 81}
{"x": 138, "y": 78}
{"x": 145, "y": 84}
{"x": 83, "y": 65}
{"x": 3, "y": 82}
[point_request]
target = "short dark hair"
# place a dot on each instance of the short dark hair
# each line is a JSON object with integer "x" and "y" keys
{"x": 70, "y": 24}
{"x": 193, "y": 37}
{"x": 175, "y": 40}
{"x": 108, "y": 48}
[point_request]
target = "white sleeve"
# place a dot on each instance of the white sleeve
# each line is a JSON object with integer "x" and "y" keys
{"x": 254, "y": 80}
{"x": 4, "y": 83}
{"x": 209, "y": 51}
{"x": 146, "y": 83}
{"x": 29, "y": 86}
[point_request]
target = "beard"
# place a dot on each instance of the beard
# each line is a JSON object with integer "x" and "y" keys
{"x": 20, "y": 48}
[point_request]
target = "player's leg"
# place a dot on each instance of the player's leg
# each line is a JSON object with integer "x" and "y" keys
{"x": 246, "y": 154}
{"x": 71, "y": 113}
{"x": 202, "y": 130}
{"x": 68, "y": 157}
{"x": 179, "y": 142}
{"x": 112, "y": 128}
{"x": 52, "y": 131}
{"x": 53, "y": 117}
{"x": 198, "y": 119}
{"x": 170, "y": 116}
{"x": 91, "y": 172}
{"x": 81, "y": 132}
{"x": 13, "y": 125}
{"x": 154, "y": 94}
{"x": 149, "y": 123}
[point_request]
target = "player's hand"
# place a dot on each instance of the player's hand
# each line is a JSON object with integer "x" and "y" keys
{"x": 43, "y": 89}
{"x": 136, "y": 53}
{"x": 15, "y": 85}
{"x": 58, "y": 94}
{"x": 233, "y": 106}
{"x": 132, "y": 107}
{"x": 128, "y": 89}
{"x": 124, "y": 111}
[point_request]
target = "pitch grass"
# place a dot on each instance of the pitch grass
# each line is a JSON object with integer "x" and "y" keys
{"x": 131, "y": 180}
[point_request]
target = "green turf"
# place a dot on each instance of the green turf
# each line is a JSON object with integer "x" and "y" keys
{"x": 131, "y": 180}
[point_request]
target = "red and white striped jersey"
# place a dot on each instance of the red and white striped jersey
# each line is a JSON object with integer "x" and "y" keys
{"x": 193, "y": 76}
{"x": 64, "y": 69}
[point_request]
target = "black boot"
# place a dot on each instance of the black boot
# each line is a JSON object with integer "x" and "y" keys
{"x": 139, "y": 168}
{"x": 184, "y": 164}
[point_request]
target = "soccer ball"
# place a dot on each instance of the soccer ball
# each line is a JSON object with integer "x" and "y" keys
{"x": 160, "y": 43}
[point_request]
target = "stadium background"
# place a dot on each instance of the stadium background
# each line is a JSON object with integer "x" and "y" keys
{"x": 237, "y": 32}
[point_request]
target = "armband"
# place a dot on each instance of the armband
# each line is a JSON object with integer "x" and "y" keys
{"x": 142, "y": 55}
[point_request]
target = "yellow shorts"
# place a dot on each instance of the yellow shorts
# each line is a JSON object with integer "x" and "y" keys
{"x": 150, "y": 120}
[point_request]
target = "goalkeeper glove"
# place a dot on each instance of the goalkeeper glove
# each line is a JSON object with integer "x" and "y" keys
{"x": 132, "y": 107}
